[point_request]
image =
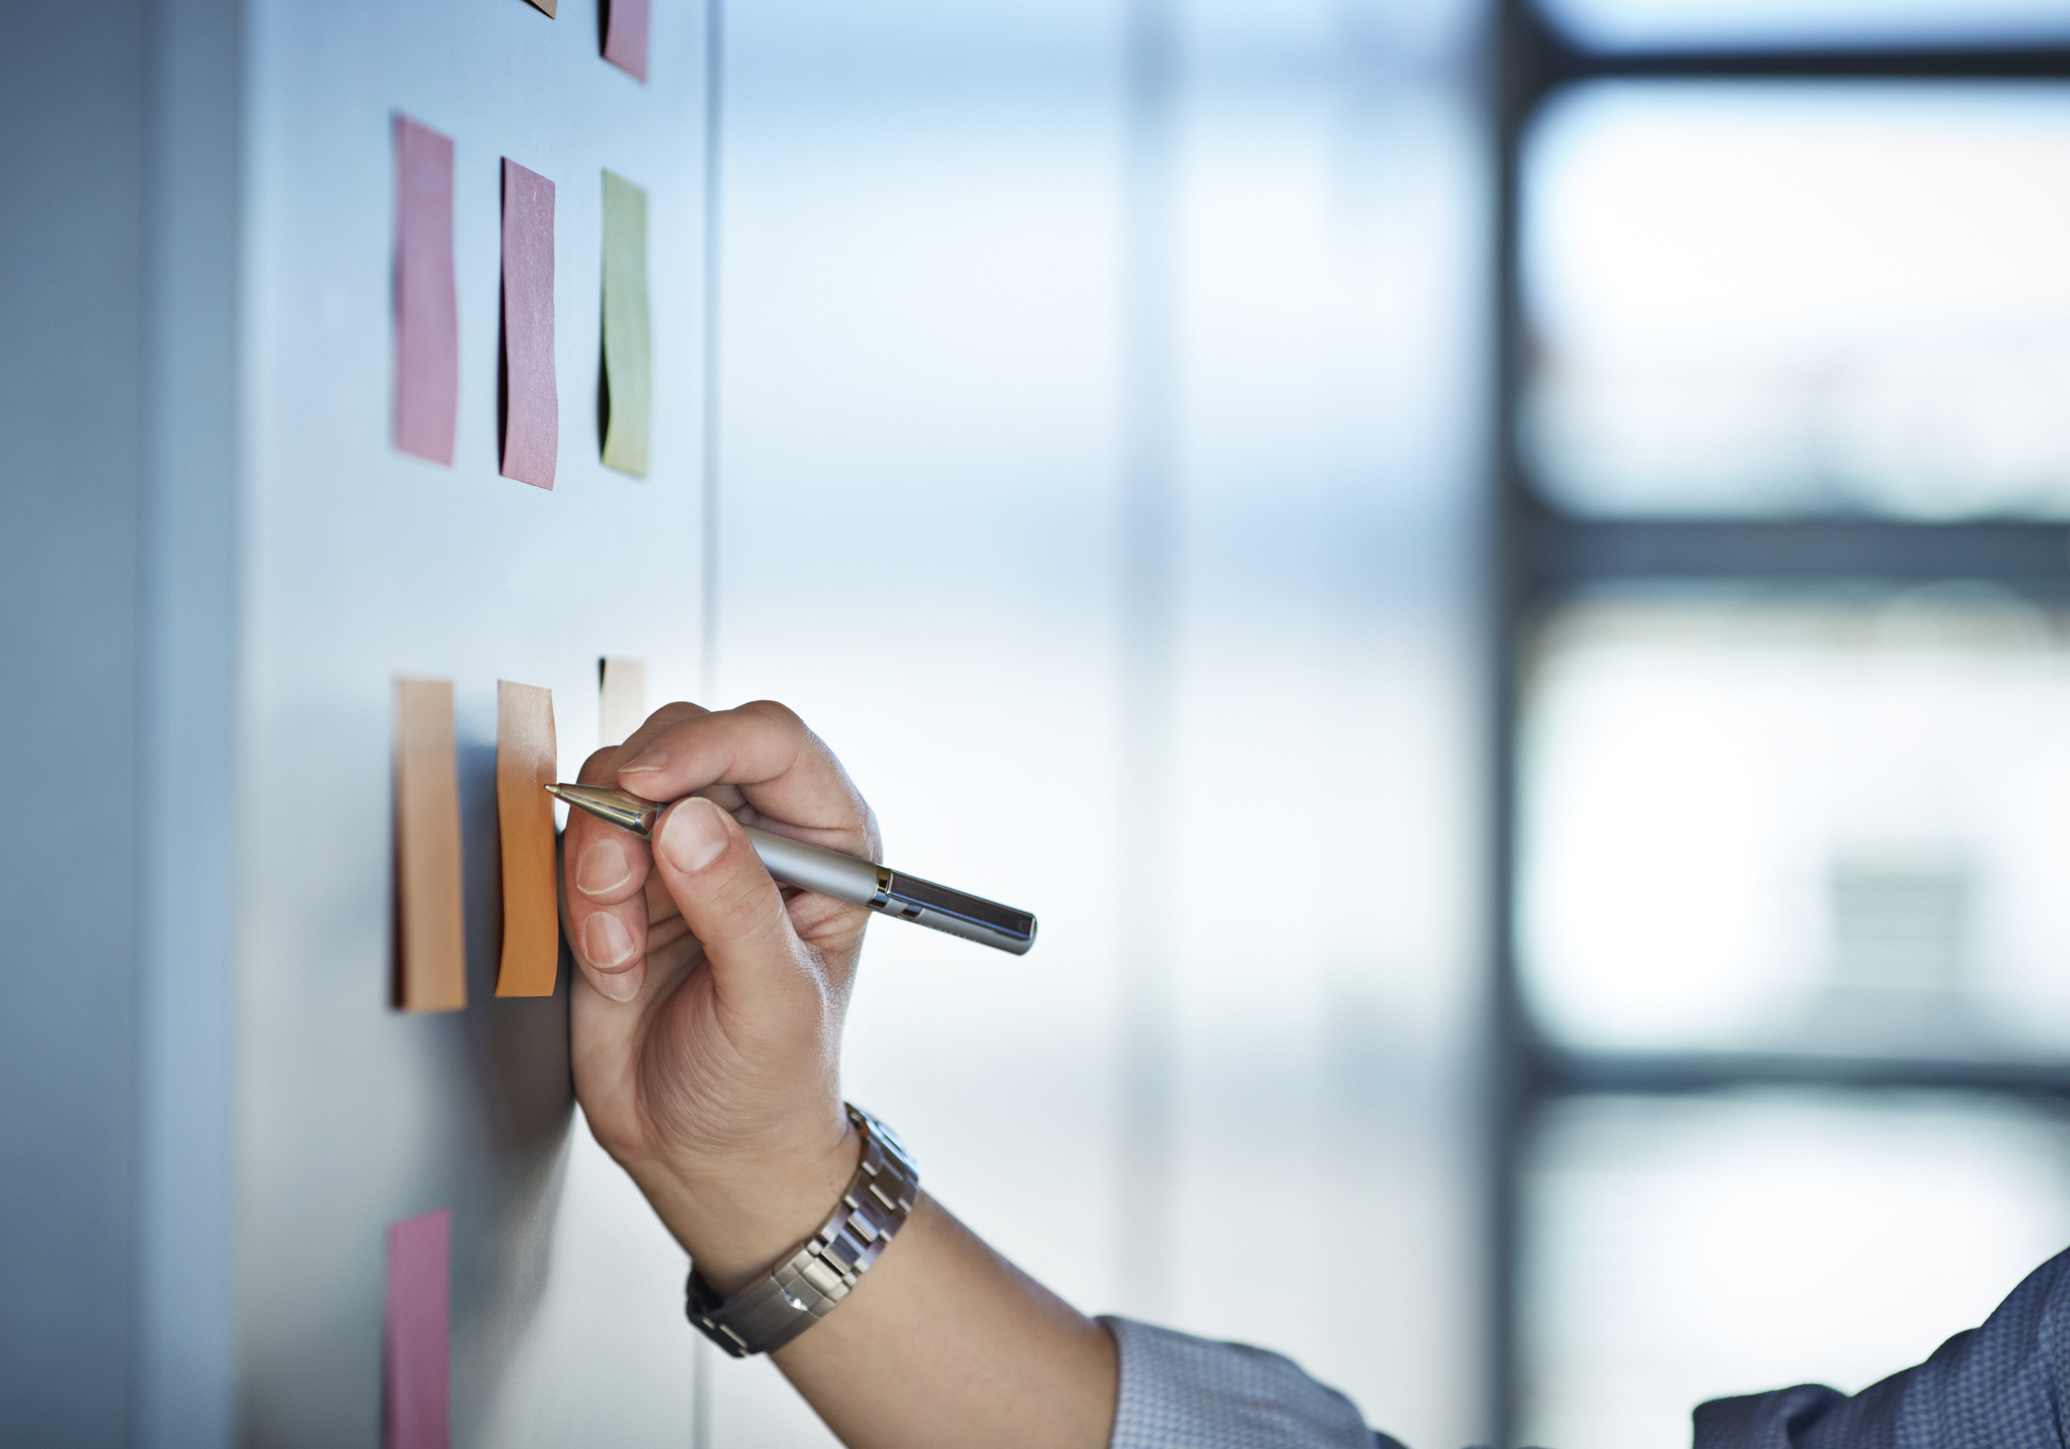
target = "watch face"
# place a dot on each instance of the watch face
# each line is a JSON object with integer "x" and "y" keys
{"x": 885, "y": 1135}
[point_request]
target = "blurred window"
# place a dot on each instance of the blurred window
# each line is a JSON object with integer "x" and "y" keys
{"x": 1786, "y": 475}
{"x": 1627, "y": 25}
{"x": 1763, "y": 297}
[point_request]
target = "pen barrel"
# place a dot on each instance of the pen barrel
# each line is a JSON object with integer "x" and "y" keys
{"x": 812, "y": 868}
{"x": 891, "y": 893}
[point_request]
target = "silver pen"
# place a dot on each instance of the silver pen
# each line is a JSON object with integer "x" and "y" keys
{"x": 844, "y": 877}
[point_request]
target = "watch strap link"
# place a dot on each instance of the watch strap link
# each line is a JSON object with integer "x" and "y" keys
{"x": 804, "y": 1288}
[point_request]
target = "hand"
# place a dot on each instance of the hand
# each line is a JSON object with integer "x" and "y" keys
{"x": 707, "y": 1036}
{"x": 707, "y": 1017}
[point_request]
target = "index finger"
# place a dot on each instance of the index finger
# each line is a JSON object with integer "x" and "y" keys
{"x": 604, "y": 872}
{"x": 781, "y": 770}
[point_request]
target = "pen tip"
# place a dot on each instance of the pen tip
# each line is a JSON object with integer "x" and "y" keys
{"x": 557, "y": 792}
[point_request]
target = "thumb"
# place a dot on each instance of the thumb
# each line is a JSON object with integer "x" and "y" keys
{"x": 728, "y": 901}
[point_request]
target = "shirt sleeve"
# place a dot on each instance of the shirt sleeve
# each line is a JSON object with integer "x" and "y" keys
{"x": 2003, "y": 1386}
{"x": 1188, "y": 1393}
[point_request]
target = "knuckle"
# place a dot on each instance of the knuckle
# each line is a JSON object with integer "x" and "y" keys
{"x": 778, "y": 714}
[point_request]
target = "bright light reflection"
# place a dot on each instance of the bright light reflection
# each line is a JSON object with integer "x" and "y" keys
{"x": 1820, "y": 827}
{"x": 1800, "y": 297}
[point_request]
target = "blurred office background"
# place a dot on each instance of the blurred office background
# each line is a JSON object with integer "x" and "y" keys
{"x": 1100, "y": 458}
{"x": 1530, "y": 539}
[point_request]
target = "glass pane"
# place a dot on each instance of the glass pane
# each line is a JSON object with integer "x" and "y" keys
{"x": 1830, "y": 827}
{"x": 1763, "y": 24}
{"x": 1799, "y": 298}
{"x": 1677, "y": 1250}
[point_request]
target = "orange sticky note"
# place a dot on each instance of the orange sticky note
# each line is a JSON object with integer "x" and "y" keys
{"x": 526, "y": 763}
{"x": 431, "y": 953}
{"x": 622, "y": 700}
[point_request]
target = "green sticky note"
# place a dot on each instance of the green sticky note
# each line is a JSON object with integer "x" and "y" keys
{"x": 628, "y": 390}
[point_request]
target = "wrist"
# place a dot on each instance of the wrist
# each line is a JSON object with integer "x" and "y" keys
{"x": 818, "y": 1275}
{"x": 738, "y": 1219}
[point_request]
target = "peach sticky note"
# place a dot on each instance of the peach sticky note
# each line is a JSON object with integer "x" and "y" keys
{"x": 416, "y": 1348}
{"x": 628, "y": 391}
{"x": 427, "y": 318}
{"x": 625, "y": 36}
{"x": 531, "y": 403}
{"x": 623, "y": 698}
{"x": 431, "y": 965}
{"x": 526, "y": 763}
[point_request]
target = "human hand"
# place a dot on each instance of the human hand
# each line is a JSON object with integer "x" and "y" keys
{"x": 708, "y": 1010}
{"x": 707, "y": 1037}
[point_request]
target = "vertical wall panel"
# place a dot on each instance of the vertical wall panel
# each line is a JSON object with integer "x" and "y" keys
{"x": 73, "y": 162}
{"x": 186, "y": 1341}
{"x": 1330, "y": 252}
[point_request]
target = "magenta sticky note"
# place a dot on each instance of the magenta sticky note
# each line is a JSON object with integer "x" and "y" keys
{"x": 625, "y": 36}
{"x": 531, "y": 404}
{"x": 417, "y": 1359}
{"x": 427, "y": 317}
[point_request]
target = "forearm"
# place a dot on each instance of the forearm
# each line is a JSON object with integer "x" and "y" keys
{"x": 941, "y": 1343}
{"x": 944, "y": 1344}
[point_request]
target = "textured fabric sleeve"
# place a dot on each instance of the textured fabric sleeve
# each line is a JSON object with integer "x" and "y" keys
{"x": 1187, "y": 1393}
{"x": 2002, "y": 1386}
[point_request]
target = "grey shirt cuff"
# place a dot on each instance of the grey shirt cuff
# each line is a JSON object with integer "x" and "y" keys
{"x": 1179, "y": 1392}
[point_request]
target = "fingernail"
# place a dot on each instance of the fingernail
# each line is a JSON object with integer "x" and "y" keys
{"x": 605, "y": 941}
{"x": 620, "y": 986}
{"x": 644, "y": 761}
{"x": 604, "y": 867}
{"x": 693, "y": 836}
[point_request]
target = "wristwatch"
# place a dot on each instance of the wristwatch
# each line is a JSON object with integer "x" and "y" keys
{"x": 805, "y": 1286}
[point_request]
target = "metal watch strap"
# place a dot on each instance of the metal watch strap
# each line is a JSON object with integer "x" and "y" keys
{"x": 805, "y": 1287}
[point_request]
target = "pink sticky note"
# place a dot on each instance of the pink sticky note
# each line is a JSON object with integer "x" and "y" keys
{"x": 625, "y": 36}
{"x": 427, "y": 319}
{"x": 531, "y": 404}
{"x": 418, "y": 1354}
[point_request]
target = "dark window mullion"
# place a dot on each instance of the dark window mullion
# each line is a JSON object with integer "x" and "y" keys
{"x": 1562, "y": 1072}
{"x": 2031, "y": 559}
{"x": 1564, "y": 65}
